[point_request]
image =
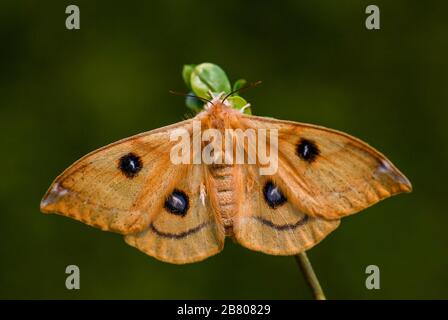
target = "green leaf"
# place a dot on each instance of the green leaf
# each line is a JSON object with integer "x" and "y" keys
{"x": 238, "y": 103}
{"x": 193, "y": 103}
{"x": 208, "y": 77}
{"x": 186, "y": 73}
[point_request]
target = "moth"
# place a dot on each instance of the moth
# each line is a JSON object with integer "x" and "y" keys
{"x": 182, "y": 213}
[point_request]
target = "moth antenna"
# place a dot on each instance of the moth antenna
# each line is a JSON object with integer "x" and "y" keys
{"x": 183, "y": 94}
{"x": 249, "y": 86}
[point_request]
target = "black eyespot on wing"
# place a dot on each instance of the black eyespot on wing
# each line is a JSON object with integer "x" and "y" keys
{"x": 307, "y": 150}
{"x": 130, "y": 164}
{"x": 177, "y": 203}
{"x": 273, "y": 195}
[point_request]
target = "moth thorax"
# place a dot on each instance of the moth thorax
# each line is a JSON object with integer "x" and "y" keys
{"x": 223, "y": 182}
{"x": 217, "y": 123}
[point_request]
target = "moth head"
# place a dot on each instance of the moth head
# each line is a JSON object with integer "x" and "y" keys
{"x": 216, "y": 100}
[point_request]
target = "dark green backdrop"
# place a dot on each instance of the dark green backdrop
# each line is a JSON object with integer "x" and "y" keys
{"x": 64, "y": 93}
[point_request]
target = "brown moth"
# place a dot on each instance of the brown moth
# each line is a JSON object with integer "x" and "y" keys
{"x": 181, "y": 213}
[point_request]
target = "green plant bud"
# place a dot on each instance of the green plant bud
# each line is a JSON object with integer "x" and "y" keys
{"x": 186, "y": 73}
{"x": 238, "y": 103}
{"x": 208, "y": 77}
{"x": 193, "y": 103}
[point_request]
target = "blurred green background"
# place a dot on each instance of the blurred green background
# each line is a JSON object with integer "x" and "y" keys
{"x": 64, "y": 93}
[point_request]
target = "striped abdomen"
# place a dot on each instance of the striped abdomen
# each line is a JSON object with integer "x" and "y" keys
{"x": 224, "y": 191}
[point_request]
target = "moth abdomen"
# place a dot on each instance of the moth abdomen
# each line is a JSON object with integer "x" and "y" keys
{"x": 224, "y": 192}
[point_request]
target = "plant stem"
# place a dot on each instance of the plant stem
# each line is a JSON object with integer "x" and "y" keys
{"x": 310, "y": 276}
